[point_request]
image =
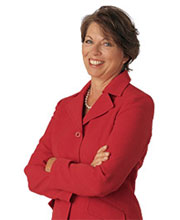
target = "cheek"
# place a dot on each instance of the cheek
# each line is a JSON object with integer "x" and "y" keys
{"x": 84, "y": 51}
{"x": 115, "y": 60}
{"x": 118, "y": 57}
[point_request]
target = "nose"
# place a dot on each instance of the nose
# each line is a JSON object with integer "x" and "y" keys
{"x": 96, "y": 50}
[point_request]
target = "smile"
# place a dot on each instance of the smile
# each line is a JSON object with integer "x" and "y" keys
{"x": 95, "y": 62}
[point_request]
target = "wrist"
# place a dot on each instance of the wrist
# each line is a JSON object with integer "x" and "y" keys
{"x": 49, "y": 164}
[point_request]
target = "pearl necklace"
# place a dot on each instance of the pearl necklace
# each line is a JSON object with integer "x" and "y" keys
{"x": 86, "y": 98}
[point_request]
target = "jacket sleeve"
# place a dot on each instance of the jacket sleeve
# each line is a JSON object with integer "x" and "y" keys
{"x": 38, "y": 178}
{"x": 127, "y": 145}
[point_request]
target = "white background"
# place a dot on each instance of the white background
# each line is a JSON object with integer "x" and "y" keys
{"x": 40, "y": 63}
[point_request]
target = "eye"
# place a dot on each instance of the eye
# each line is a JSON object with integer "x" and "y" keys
{"x": 107, "y": 44}
{"x": 88, "y": 41}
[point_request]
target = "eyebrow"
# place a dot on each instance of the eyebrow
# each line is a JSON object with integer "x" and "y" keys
{"x": 106, "y": 38}
{"x": 88, "y": 36}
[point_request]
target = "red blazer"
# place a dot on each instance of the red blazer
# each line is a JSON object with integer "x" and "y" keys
{"x": 122, "y": 119}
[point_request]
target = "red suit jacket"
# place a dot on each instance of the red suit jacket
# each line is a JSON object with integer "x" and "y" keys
{"x": 122, "y": 119}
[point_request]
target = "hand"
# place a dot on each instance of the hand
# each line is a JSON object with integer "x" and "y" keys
{"x": 49, "y": 164}
{"x": 100, "y": 156}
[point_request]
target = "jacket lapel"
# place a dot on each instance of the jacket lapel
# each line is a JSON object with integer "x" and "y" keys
{"x": 75, "y": 106}
{"x": 103, "y": 104}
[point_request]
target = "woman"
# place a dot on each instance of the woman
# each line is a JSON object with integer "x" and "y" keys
{"x": 88, "y": 158}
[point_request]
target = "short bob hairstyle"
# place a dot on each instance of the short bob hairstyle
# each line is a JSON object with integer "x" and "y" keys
{"x": 116, "y": 24}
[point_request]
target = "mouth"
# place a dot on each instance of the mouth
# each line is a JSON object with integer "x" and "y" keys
{"x": 95, "y": 62}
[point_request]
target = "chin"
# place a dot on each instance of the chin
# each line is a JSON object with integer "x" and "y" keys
{"x": 94, "y": 74}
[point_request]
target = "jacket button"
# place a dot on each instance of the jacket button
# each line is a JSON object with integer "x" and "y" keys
{"x": 77, "y": 134}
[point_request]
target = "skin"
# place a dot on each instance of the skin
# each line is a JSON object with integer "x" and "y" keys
{"x": 98, "y": 47}
{"x": 100, "y": 156}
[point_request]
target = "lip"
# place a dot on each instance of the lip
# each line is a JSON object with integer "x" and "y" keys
{"x": 95, "y": 59}
{"x": 97, "y": 64}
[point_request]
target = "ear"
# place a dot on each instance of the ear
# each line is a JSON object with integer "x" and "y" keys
{"x": 125, "y": 59}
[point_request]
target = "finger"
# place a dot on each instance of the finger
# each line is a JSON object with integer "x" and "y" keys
{"x": 101, "y": 155}
{"x": 99, "y": 163}
{"x": 96, "y": 164}
{"x": 100, "y": 160}
{"x": 102, "y": 149}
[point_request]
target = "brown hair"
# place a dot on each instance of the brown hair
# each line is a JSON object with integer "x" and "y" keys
{"x": 116, "y": 23}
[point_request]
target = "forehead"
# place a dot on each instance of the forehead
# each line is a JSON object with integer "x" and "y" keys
{"x": 95, "y": 30}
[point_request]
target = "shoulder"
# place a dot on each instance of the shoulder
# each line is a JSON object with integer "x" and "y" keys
{"x": 134, "y": 93}
{"x": 66, "y": 100}
{"x": 135, "y": 98}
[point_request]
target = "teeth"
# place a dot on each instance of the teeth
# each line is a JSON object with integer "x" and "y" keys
{"x": 95, "y": 62}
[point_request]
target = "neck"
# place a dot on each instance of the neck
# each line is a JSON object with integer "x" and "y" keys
{"x": 98, "y": 85}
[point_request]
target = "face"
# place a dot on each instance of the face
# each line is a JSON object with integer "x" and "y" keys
{"x": 103, "y": 59}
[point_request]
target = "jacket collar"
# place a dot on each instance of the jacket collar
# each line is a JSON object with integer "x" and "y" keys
{"x": 116, "y": 85}
{"x": 104, "y": 103}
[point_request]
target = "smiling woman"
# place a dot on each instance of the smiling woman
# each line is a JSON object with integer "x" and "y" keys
{"x": 116, "y": 28}
{"x": 102, "y": 57}
{"x": 103, "y": 60}
{"x": 70, "y": 164}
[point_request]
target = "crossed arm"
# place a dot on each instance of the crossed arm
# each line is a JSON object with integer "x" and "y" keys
{"x": 100, "y": 156}
{"x": 59, "y": 177}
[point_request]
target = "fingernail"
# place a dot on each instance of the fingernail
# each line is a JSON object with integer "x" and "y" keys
{"x": 105, "y": 158}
